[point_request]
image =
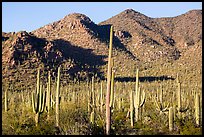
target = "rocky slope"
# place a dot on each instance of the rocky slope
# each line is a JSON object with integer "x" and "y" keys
{"x": 81, "y": 46}
{"x": 153, "y": 38}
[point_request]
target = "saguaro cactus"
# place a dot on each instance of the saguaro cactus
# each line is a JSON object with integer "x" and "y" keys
{"x": 179, "y": 97}
{"x": 92, "y": 117}
{"x": 108, "y": 108}
{"x": 89, "y": 102}
{"x": 6, "y": 100}
{"x": 161, "y": 94}
{"x": 161, "y": 106}
{"x": 179, "y": 105}
{"x": 57, "y": 98}
{"x": 138, "y": 102}
{"x": 48, "y": 99}
{"x": 197, "y": 109}
{"x": 92, "y": 102}
{"x": 171, "y": 118}
{"x": 52, "y": 102}
{"x": 93, "y": 92}
{"x": 137, "y": 80}
{"x": 38, "y": 100}
{"x": 38, "y": 81}
{"x": 131, "y": 109}
{"x": 112, "y": 88}
{"x": 139, "y": 99}
{"x": 101, "y": 98}
{"x": 119, "y": 102}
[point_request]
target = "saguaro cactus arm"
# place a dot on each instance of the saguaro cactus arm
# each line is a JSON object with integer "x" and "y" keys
{"x": 142, "y": 99}
{"x": 160, "y": 106}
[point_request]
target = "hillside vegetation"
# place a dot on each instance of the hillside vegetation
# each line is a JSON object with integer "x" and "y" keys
{"x": 167, "y": 51}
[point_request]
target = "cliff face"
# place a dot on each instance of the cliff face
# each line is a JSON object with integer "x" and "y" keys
{"x": 81, "y": 46}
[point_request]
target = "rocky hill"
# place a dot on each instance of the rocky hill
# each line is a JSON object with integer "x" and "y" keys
{"x": 153, "y": 38}
{"x": 81, "y": 46}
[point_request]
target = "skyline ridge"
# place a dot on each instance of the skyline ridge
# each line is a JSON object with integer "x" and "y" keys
{"x": 21, "y": 16}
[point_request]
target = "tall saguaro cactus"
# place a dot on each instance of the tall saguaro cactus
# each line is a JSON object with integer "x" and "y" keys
{"x": 137, "y": 80}
{"x": 48, "y": 99}
{"x": 179, "y": 101}
{"x": 179, "y": 97}
{"x": 108, "y": 108}
{"x": 131, "y": 109}
{"x": 89, "y": 101}
{"x": 38, "y": 100}
{"x": 138, "y": 102}
{"x": 92, "y": 102}
{"x": 57, "y": 97}
{"x": 139, "y": 98}
{"x": 93, "y": 93}
{"x": 101, "y": 98}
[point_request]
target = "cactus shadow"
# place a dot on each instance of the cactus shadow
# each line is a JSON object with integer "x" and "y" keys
{"x": 144, "y": 79}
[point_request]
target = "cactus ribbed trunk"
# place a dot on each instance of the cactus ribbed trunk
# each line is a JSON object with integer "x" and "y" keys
{"x": 38, "y": 81}
{"x": 197, "y": 109}
{"x": 112, "y": 89}
{"x": 131, "y": 109}
{"x": 137, "y": 80}
{"x": 36, "y": 119}
{"x": 89, "y": 101}
{"x": 137, "y": 96}
{"x": 108, "y": 109}
{"x": 119, "y": 103}
{"x": 57, "y": 98}
{"x": 93, "y": 93}
{"x": 6, "y": 100}
{"x": 137, "y": 100}
{"x": 101, "y": 99}
{"x": 161, "y": 95}
{"x": 48, "y": 95}
{"x": 92, "y": 117}
{"x": 171, "y": 118}
{"x": 98, "y": 100}
{"x": 179, "y": 99}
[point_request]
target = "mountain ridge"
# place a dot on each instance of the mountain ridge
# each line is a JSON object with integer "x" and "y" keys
{"x": 81, "y": 46}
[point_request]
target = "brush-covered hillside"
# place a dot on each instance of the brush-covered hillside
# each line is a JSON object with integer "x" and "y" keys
{"x": 81, "y": 47}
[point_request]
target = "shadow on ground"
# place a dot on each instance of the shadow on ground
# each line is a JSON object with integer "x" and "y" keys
{"x": 144, "y": 79}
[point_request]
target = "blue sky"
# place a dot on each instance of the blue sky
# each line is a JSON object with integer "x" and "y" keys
{"x": 28, "y": 16}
